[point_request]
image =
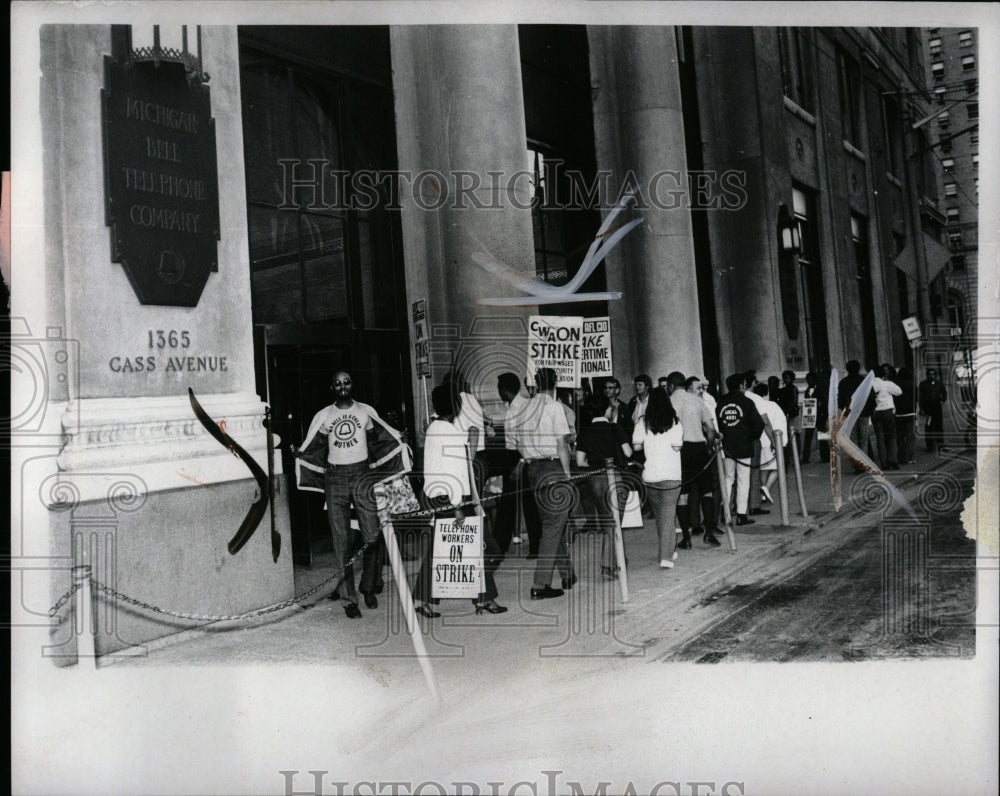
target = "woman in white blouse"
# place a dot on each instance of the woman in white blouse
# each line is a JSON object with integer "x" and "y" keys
{"x": 660, "y": 436}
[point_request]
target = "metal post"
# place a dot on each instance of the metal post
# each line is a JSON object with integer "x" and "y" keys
{"x": 726, "y": 513}
{"x": 83, "y": 618}
{"x": 798, "y": 474}
{"x": 406, "y": 602}
{"x": 619, "y": 542}
{"x": 779, "y": 452}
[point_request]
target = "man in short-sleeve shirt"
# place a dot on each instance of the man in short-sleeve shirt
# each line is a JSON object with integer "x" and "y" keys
{"x": 696, "y": 460}
{"x": 543, "y": 445}
{"x": 345, "y": 424}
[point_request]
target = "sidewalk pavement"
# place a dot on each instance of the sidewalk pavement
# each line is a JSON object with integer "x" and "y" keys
{"x": 666, "y": 607}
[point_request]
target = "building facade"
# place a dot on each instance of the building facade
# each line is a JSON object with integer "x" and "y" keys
{"x": 952, "y": 60}
{"x": 358, "y": 171}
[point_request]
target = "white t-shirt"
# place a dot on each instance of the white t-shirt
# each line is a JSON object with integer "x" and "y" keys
{"x": 471, "y": 416}
{"x": 663, "y": 452}
{"x": 345, "y": 430}
{"x": 779, "y": 422}
{"x": 446, "y": 464}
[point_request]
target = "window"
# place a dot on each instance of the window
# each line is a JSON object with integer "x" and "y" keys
{"x": 968, "y": 63}
{"x": 974, "y": 137}
{"x": 965, "y": 38}
{"x": 939, "y": 94}
{"x": 935, "y": 45}
{"x": 795, "y": 51}
{"x": 810, "y": 271}
{"x": 958, "y": 262}
{"x": 950, "y": 189}
{"x": 972, "y": 109}
{"x": 975, "y": 184}
{"x": 948, "y": 165}
{"x": 309, "y": 256}
{"x": 893, "y": 136}
{"x": 955, "y": 239}
{"x": 850, "y": 99}
{"x": 972, "y": 86}
{"x": 975, "y": 162}
{"x": 953, "y": 214}
{"x": 946, "y": 146}
{"x": 943, "y": 119}
{"x": 937, "y": 70}
{"x": 862, "y": 262}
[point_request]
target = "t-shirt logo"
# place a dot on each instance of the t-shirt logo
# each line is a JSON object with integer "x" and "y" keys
{"x": 731, "y": 415}
{"x": 345, "y": 432}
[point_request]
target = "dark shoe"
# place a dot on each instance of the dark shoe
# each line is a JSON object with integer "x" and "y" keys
{"x": 379, "y": 588}
{"x": 492, "y": 607}
{"x": 697, "y": 530}
{"x": 568, "y": 584}
{"x": 352, "y": 610}
{"x": 371, "y": 601}
{"x": 685, "y": 542}
{"x": 609, "y": 573}
{"x": 426, "y": 610}
{"x": 710, "y": 539}
{"x": 334, "y": 595}
{"x": 545, "y": 593}
{"x": 743, "y": 519}
{"x": 757, "y": 512}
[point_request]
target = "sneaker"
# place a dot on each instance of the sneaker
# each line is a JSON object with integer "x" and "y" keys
{"x": 664, "y": 564}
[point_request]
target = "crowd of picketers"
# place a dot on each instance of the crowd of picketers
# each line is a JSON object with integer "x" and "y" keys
{"x": 561, "y": 462}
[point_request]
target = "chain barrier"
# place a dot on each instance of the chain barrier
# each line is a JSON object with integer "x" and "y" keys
{"x": 268, "y": 609}
{"x": 63, "y": 600}
{"x": 336, "y": 576}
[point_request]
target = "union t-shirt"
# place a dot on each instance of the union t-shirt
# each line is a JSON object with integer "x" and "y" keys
{"x": 346, "y": 439}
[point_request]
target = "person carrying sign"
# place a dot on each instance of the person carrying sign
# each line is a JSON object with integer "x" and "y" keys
{"x": 817, "y": 418}
{"x": 446, "y": 485}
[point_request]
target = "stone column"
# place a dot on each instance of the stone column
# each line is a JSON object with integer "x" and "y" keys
{"x": 460, "y": 123}
{"x": 639, "y": 131}
{"x": 114, "y": 377}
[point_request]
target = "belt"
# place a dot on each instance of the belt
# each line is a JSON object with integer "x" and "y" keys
{"x": 543, "y": 459}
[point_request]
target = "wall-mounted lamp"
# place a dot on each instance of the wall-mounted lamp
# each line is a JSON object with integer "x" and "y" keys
{"x": 160, "y": 43}
{"x": 788, "y": 231}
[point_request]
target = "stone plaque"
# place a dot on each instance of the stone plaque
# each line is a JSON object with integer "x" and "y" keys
{"x": 161, "y": 180}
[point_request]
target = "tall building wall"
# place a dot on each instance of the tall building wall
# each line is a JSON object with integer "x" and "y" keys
{"x": 952, "y": 58}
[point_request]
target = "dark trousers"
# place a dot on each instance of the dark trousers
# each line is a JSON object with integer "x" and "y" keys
{"x": 697, "y": 469}
{"x": 554, "y": 503}
{"x": 807, "y": 440}
{"x": 934, "y": 427}
{"x": 905, "y": 437}
{"x": 884, "y": 424}
{"x": 515, "y": 491}
{"x": 341, "y": 485}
